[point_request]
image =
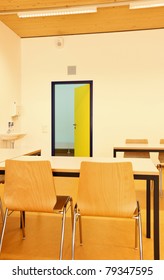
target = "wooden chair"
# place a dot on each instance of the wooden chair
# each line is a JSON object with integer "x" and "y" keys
{"x": 107, "y": 190}
{"x": 29, "y": 186}
{"x": 136, "y": 154}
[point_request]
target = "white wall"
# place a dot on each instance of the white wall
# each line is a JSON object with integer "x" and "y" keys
{"x": 127, "y": 72}
{"x": 128, "y": 86}
{"x": 10, "y": 76}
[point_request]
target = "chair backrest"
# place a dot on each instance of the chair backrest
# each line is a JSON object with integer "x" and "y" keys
{"x": 136, "y": 154}
{"x": 161, "y": 154}
{"x": 29, "y": 186}
{"x": 106, "y": 189}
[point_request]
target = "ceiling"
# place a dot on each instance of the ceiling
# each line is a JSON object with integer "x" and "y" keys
{"x": 117, "y": 17}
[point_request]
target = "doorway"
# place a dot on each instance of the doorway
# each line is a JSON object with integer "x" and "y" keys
{"x": 71, "y": 118}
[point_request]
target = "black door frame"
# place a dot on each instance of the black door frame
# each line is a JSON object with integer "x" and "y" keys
{"x": 53, "y": 84}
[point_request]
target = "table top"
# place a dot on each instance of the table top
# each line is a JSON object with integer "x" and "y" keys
{"x": 6, "y": 153}
{"x": 145, "y": 147}
{"x": 72, "y": 164}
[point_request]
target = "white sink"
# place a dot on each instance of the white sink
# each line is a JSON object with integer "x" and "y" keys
{"x": 11, "y": 136}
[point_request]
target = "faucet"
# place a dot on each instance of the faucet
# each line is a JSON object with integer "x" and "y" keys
{"x": 10, "y": 127}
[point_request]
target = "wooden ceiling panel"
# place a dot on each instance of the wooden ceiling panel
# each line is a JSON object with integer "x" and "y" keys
{"x": 109, "y": 19}
{"x": 19, "y": 5}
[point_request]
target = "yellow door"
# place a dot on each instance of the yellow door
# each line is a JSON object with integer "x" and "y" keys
{"x": 82, "y": 121}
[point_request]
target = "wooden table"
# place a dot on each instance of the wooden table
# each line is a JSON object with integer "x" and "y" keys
{"x": 141, "y": 148}
{"x": 7, "y": 153}
{"x": 138, "y": 148}
{"x": 143, "y": 169}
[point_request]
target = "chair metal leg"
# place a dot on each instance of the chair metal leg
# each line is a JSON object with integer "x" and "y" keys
{"x": 63, "y": 225}
{"x": 23, "y": 224}
{"x": 74, "y": 232}
{"x": 3, "y": 228}
{"x": 80, "y": 230}
{"x": 22, "y": 216}
{"x": 62, "y": 233}
{"x": 140, "y": 236}
{"x": 138, "y": 228}
{"x": 1, "y": 209}
{"x": 71, "y": 205}
{"x": 136, "y": 232}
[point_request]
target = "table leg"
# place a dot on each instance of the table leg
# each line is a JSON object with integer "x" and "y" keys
{"x": 148, "y": 217}
{"x": 156, "y": 219}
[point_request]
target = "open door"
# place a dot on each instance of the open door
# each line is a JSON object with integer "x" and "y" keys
{"x": 72, "y": 117}
{"x": 82, "y": 121}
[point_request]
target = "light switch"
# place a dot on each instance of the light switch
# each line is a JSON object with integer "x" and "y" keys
{"x": 44, "y": 128}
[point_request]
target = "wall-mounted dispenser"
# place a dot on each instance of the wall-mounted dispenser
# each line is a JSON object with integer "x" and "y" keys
{"x": 14, "y": 110}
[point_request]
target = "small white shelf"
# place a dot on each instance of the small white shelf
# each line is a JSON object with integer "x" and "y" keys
{"x": 11, "y": 137}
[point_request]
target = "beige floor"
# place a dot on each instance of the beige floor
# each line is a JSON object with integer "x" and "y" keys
{"x": 102, "y": 238}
